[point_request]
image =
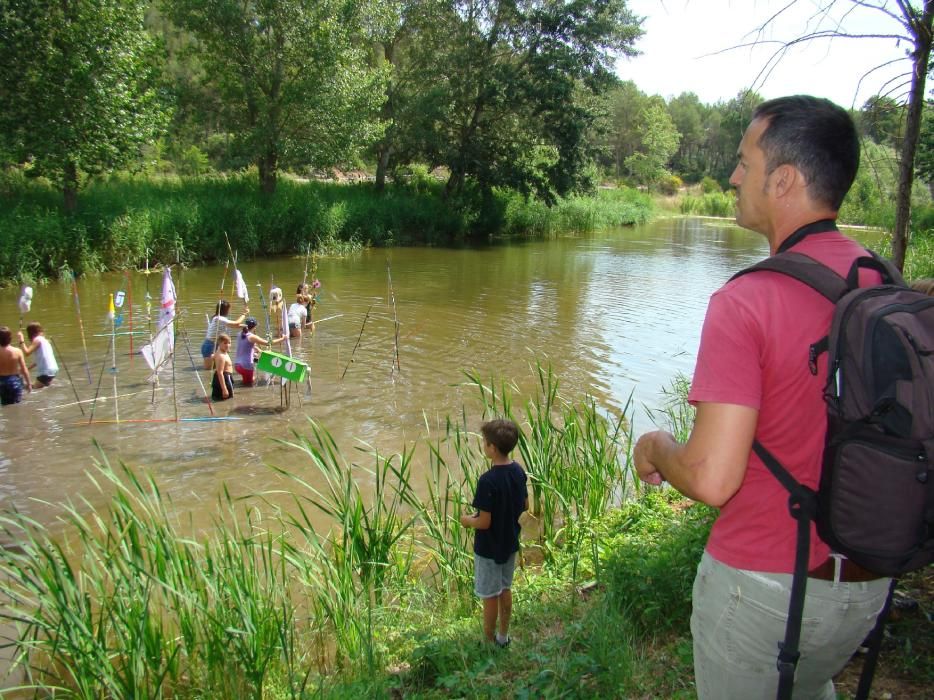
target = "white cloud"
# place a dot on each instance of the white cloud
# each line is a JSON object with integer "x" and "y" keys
{"x": 685, "y": 50}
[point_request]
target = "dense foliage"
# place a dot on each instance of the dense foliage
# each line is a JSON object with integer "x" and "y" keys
{"x": 126, "y": 220}
{"x": 79, "y": 92}
{"x": 489, "y": 98}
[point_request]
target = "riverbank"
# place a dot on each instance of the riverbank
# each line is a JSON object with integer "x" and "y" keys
{"x": 124, "y": 221}
{"x": 131, "y": 603}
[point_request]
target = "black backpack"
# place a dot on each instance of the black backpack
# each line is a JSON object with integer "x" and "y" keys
{"x": 875, "y": 501}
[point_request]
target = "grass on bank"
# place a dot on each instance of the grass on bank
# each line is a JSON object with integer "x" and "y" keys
{"x": 127, "y": 602}
{"x": 123, "y": 220}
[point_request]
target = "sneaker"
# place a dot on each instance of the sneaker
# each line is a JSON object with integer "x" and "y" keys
{"x": 502, "y": 644}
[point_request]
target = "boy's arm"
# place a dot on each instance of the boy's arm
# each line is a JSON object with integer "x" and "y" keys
{"x": 27, "y": 349}
{"x": 479, "y": 521}
{"x": 24, "y": 370}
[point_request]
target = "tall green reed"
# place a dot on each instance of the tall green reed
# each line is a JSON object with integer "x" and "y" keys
{"x": 577, "y": 456}
{"x": 358, "y": 556}
{"x": 454, "y": 469}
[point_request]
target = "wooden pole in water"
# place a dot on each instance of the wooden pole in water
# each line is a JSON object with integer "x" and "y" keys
{"x": 84, "y": 342}
{"x": 196, "y": 369}
{"x": 353, "y": 352}
{"x": 113, "y": 354}
{"x": 395, "y": 316}
{"x": 68, "y": 374}
{"x": 129, "y": 301}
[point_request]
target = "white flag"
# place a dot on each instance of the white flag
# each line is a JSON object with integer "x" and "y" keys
{"x": 163, "y": 343}
{"x": 167, "y": 312}
{"x": 240, "y": 287}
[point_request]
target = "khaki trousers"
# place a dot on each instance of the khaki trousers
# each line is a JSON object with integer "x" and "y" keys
{"x": 739, "y": 618}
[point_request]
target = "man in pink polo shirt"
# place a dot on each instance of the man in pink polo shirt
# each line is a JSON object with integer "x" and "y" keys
{"x": 797, "y": 160}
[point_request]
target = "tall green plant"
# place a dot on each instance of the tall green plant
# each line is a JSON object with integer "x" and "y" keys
{"x": 361, "y": 545}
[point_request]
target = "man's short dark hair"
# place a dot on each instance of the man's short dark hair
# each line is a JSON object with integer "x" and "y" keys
{"x": 503, "y": 434}
{"x": 6, "y": 335}
{"x": 815, "y": 136}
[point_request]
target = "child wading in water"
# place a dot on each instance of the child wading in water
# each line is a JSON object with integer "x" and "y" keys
{"x": 500, "y": 499}
{"x": 46, "y": 366}
{"x": 246, "y": 344}
{"x": 222, "y": 379}
{"x": 13, "y": 370}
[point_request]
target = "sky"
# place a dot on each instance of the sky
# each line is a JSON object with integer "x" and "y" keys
{"x": 681, "y": 37}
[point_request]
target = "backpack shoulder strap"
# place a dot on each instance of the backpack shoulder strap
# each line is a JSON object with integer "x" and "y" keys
{"x": 884, "y": 266}
{"x": 806, "y": 270}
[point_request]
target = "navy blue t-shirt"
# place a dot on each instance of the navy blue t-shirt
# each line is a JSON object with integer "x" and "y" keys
{"x": 501, "y": 492}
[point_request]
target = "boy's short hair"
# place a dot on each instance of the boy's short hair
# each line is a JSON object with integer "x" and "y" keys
{"x": 502, "y": 433}
{"x": 222, "y": 337}
{"x": 6, "y": 335}
{"x": 33, "y": 329}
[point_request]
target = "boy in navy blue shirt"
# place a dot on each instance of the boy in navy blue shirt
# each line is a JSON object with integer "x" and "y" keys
{"x": 500, "y": 499}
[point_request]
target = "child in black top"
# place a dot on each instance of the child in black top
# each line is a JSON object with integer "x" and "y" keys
{"x": 500, "y": 499}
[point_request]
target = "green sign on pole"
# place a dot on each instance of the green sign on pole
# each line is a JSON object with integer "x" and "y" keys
{"x": 282, "y": 366}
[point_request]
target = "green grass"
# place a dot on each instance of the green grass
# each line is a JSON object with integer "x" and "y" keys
{"x": 127, "y": 603}
{"x": 123, "y": 220}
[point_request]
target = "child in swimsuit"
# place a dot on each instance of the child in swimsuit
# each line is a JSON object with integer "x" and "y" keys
{"x": 12, "y": 370}
{"x": 222, "y": 379}
{"x": 246, "y": 344}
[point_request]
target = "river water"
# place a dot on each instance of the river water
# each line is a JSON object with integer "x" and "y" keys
{"x": 614, "y": 313}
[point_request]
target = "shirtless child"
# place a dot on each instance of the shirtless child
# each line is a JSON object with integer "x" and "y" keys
{"x": 12, "y": 370}
{"x": 222, "y": 380}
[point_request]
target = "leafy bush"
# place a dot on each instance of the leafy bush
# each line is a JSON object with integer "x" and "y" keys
{"x": 709, "y": 204}
{"x": 709, "y": 185}
{"x": 653, "y": 559}
{"x": 669, "y": 184}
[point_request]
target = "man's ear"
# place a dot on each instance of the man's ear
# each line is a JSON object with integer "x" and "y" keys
{"x": 785, "y": 178}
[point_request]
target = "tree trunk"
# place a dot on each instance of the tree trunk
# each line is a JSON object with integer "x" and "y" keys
{"x": 455, "y": 181}
{"x": 921, "y": 30}
{"x": 268, "y": 171}
{"x": 70, "y": 187}
{"x": 382, "y": 165}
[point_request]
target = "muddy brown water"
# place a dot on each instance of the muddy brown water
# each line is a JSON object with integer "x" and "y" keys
{"x": 614, "y": 313}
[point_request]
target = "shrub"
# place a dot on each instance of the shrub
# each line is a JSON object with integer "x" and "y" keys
{"x": 709, "y": 185}
{"x": 653, "y": 560}
{"x": 669, "y": 184}
{"x": 710, "y": 204}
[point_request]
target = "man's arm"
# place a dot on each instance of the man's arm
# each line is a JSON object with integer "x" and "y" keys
{"x": 710, "y": 466}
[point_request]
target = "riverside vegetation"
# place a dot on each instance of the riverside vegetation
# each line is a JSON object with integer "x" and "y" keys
{"x": 126, "y": 602}
{"x": 125, "y": 220}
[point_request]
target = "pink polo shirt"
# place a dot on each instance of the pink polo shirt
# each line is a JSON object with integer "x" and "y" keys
{"x": 754, "y": 352}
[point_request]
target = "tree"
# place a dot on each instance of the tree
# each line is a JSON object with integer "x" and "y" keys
{"x": 293, "y": 75}
{"x": 78, "y": 86}
{"x": 405, "y": 45}
{"x": 688, "y": 115}
{"x": 916, "y": 21}
{"x": 509, "y": 101}
{"x": 659, "y": 142}
{"x": 626, "y": 104}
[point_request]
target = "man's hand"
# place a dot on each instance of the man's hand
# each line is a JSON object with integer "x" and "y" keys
{"x": 641, "y": 455}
